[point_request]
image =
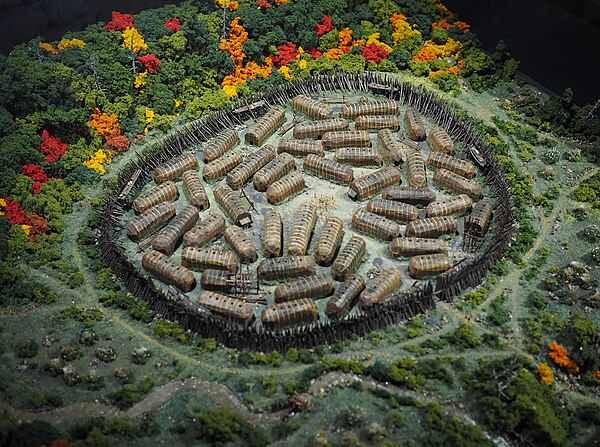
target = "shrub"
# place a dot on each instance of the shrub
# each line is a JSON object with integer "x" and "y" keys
{"x": 476, "y": 297}
{"x": 130, "y": 393}
{"x": 87, "y": 316}
{"x": 71, "y": 376}
{"x": 291, "y": 355}
{"x": 164, "y": 329}
{"x": 210, "y": 344}
{"x": 222, "y": 425}
{"x": 54, "y": 367}
{"x": 351, "y": 417}
{"x": 137, "y": 309}
{"x": 69, "y": 353}
{"x": 573, "y": 154}
{"x": 344, "y": 365}
{"x": 447, "y": 82}
{"x": 551, "y": 156}
{"x": 269, "y": 384}
{"x": 140, "y": 355}
{"x": 94, "y": 380}
{"x": 547, "y": 173}
{"x": 106, "y": 354}
{"x": 587, "y": 191}
{"x": 290, "y": 387}
{"x": 464, "y": 337}
{"x": 123, "y": 374}
{"x": 403, "y": 376}
{"x": 87, "y": 338}
{"x": 27, "y": 348}
{"x": 592, "y": 233}
{"x": 595, "y": 255}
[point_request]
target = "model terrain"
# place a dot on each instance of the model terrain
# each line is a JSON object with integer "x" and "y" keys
{"x": 338, "y": 223}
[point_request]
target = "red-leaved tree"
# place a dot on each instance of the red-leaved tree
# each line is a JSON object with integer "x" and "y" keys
{"x": 287, "y": 52}
{"x": 118, "y": 143}
{"x": 39, "y": 226}
{"x": 314, "y": 53}
{"x": 374, "y": 53}
{"x": 263, "y": 5}
{"x": 52, "y": 147}
{"x": 324, "y": 27}
{"x": 119, "y": 21}
{"x": 173, "y": 24}
{"x": 37, "y": 174}
{"x": 150, "y": 61}
{"x": 14, "y": 214}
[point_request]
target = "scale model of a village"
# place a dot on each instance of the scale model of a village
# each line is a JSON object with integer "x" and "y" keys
{"x": 312, "y": 252}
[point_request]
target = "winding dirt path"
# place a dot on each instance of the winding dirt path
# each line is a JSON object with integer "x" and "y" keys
{"x": 222, "y": 396}
{"x": 218, "y": 393}
{"x": 513, "y": 279}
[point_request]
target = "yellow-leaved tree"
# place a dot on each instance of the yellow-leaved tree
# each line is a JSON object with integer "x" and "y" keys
{"x": 545, "y": 373}
{"x": 133, "y": 40}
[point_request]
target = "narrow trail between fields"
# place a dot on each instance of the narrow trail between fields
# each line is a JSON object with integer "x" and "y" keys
{"x": 513, "y": 279}
{"x": 223, "y": 396}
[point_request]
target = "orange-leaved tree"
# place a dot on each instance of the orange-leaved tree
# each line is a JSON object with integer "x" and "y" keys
{"x": 107, "y": 126}
{"x": 241, "y": 72}
{"x": 104, "y": 124}
{"x": 560, "y": 356}
{"x": 49, "y": 48}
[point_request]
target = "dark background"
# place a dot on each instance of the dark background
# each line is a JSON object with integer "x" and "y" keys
{"x": 23, "y": 20}
{"x": 557, "y": 41}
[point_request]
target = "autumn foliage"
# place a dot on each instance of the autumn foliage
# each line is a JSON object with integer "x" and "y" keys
{"x": 241, "y": 72}
{"x": 108, "y": 127}
{"x": 374, "y": 53}
{"x": 37, "y": 174}
{"x": 105, "y": 125}
{"x": 229, "y": 4}
{"x": 150, "y": 61}
{"x": 67, "y": 43}
{"x": 52, "y": 147}
{"x": 14, "y": 214}
{"x": 462, "y": 26}
{"x": 49, "y": 48}
{"x": 314, "y": 53}
{"x": 263, "y": 5}
{"x": 119, "y": 22}
{"x": 287, "y": 52}
{"x": 97, "y": 161}
{"x": 173, "y": 24}
{"x": 32, "y": 226}
{"x": 234, "y": 45}
{"x": 37, "y": 226}
{"x": 545, "y": 374}
{"x": 324, "y": 26}
{"x": 118, "y": 143}
{"x": 133, "y": 40}
{"x": 140, "y": 80}
{"x": 453, "y": 69}
{"x": 401, "y": 28}
{"x": 560, "y": 356}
